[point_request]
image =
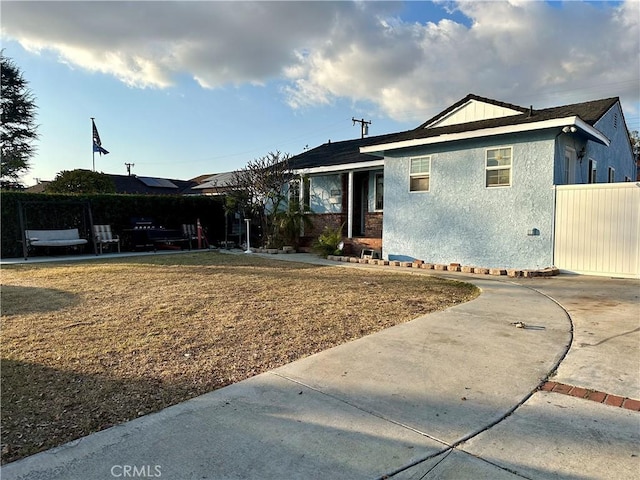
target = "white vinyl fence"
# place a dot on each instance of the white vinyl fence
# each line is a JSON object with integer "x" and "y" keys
{"x": 597, "y": 229}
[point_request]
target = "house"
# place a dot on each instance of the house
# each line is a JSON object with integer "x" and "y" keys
{"x": 133, "y": 184}
{"x": 217, "y": 184}
{"x": 341, "y": 186}
{"x": 475, "y": 184}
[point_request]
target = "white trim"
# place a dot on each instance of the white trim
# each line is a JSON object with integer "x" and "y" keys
{"x": 592, "y": 171}
{"x": 341, "y": 167}
{"x": 569, "y": 171}
{"x": 611, "y": 175}
{"x": 375, "y": 191}
{"x": 420, "y": 174}
{"x": 588, "y": 186}
{"x": 506, "y": 112}
{"x": 590, "y": 131}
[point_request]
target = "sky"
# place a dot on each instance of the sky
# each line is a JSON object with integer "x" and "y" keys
{"x": 183, "y": 89}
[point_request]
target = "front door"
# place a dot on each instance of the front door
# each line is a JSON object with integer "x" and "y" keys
{"x": 360, "y": 202}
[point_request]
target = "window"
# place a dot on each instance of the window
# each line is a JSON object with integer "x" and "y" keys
{"x": 498, "y": 167}
{"x": 419, "y": 174}
{"x": 612, "y": 175}
{"x": 294, "y": 195}
{"x": 306, "y": 195}
{"x": 592, "y": 170}
{"x": 379, "y": 188}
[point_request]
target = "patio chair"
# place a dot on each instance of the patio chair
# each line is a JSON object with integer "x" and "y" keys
{"x": 190, "y": 232}
{"x": 103, "y": 236}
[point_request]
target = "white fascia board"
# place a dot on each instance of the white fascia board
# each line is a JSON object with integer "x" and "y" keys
{"x": 345, "y": 167}
{"x": 595, "y": 134}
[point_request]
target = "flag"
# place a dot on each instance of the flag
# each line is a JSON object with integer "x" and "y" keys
{"x": 97, "y": 143}
{"x": 99, "y": 149}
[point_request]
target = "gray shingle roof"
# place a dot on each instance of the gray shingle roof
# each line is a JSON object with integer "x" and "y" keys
{"x": 589, "y": 112}
{"x": 348, "y": 151}
{"x": 338, "y": 153}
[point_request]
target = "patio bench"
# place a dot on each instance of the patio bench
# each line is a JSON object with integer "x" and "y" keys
{"x": 69, "y": 237}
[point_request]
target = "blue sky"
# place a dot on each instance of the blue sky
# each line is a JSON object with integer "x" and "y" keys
{"x": 182, "y": 89}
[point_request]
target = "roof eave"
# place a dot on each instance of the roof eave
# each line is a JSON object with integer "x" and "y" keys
{"x": 340, "y": 168}
{"x": 589, "y": 131}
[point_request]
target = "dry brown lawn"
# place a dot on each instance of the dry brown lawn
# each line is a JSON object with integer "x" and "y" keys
{"x": 89, "y": 345}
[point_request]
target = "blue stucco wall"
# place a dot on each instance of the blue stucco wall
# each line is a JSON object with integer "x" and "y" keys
{"x": 617, "y": 155}
{"x": 460, "y": 219}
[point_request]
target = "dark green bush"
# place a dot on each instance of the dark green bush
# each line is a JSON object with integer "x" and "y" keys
{"x": 58, "y": 211}
{"x": 329, "y": 241}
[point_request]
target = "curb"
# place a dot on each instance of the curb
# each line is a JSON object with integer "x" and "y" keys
{"x": 593, "y": 395}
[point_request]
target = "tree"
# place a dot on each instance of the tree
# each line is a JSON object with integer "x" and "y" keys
{"x": 81, "y": 181}
{"x": 634, "y": 137}
{"x": 260, "y": 191}
{"x": 17, "y": 127}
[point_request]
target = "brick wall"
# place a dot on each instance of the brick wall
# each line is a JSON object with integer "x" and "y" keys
{"x": 373, "y": 225}
{"x": 353, "y": 246}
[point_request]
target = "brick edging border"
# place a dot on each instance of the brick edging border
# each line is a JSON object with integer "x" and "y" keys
{"x": 452, "y": 267}
{"x": 594, "y": 395}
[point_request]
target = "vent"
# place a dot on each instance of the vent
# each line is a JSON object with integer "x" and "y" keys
{"x": 615, "y": 120}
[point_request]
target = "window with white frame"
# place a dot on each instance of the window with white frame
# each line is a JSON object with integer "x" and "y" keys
{"x": 612, "y": 175}
{"x": 592, "y": 170}
{"x": 294, "y": 194}
{"x": 379, "y": 189}
{"x": 419, "y": 174}
{"x": 498, "y": 167}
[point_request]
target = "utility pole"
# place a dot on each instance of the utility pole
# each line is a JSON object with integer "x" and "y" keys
{"x": 129, "y": 165}
{"x": 364, "y": 126}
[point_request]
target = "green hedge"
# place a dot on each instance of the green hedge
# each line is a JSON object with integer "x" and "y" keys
{"x": 54, "y": 211}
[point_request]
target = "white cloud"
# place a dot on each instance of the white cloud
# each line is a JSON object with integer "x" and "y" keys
{"x": 519, "y": 51}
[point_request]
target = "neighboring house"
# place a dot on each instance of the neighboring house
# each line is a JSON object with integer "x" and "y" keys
{"x": 217, "y": 184}
{"x": 133, "y": 184}
{"x": 473, "y": 185}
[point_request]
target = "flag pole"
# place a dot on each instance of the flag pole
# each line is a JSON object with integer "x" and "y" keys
{"x": 93, "y": 150}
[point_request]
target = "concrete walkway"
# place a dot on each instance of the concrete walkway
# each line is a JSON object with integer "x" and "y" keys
{"x": 453, "y": 394}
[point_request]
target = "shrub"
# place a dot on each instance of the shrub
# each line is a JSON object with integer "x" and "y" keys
{"x": 329, "y": 242}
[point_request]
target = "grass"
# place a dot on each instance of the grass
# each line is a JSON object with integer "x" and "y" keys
{"x": 86, "y": 346}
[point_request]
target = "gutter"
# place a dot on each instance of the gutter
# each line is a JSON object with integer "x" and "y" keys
{"x": 341, "y": 167}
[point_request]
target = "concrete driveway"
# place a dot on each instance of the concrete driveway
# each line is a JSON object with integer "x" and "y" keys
{"x": 453, "y": 394}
